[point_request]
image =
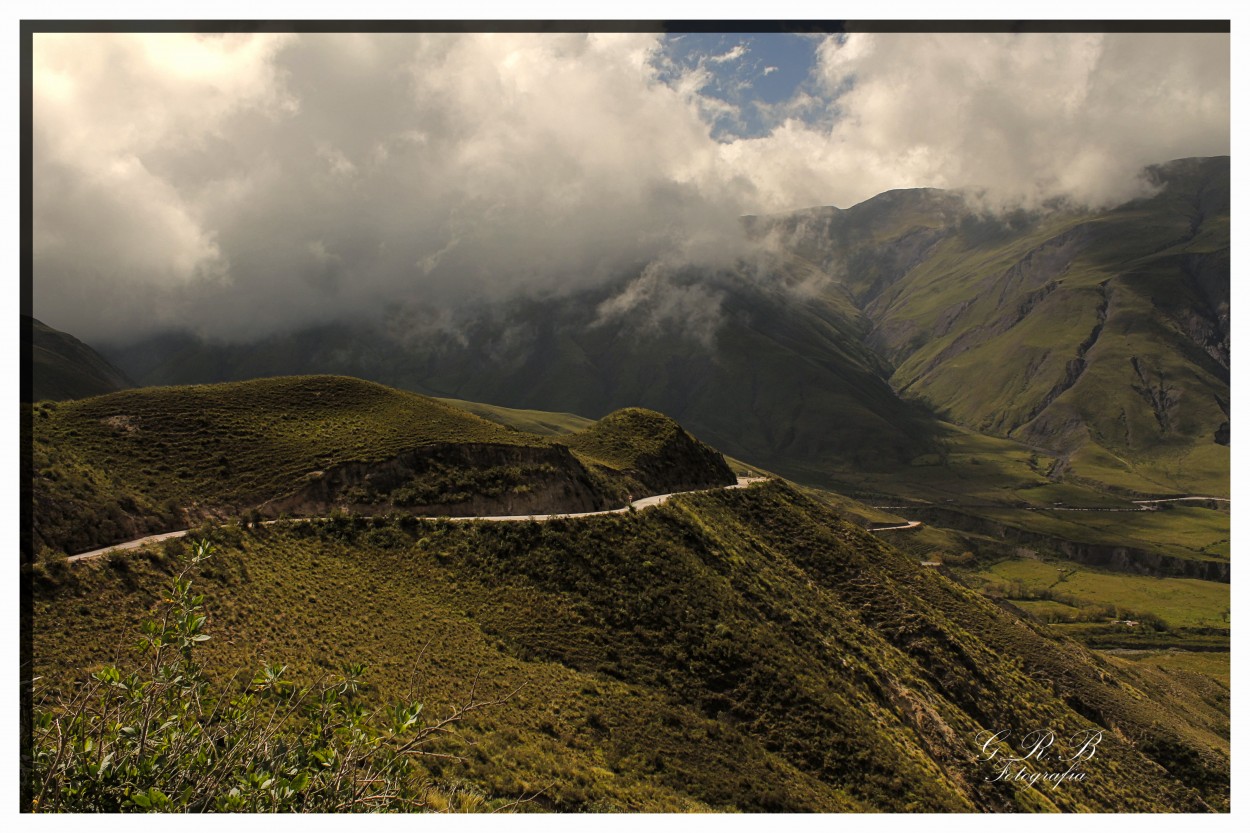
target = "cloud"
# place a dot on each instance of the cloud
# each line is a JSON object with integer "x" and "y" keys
{"x": 663, "y": 301}
{"x": 731, "y": 55}
{"x": 267, "y": 182}
{"x": 238, "y": 185}
{"x": 1022, "y": 118}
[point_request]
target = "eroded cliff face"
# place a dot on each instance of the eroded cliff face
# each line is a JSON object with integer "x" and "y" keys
{"x": 453, "y": 480}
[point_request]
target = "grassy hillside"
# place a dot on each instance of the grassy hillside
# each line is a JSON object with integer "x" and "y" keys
{"x": 65, "y": 368}
{"x": 116, "y": 467}
{"x": 112, "y": 467}
{"x": 543, "y": 423}
{"x": 732, "y": 650}
{"x": 1101, "y": 336}
{"x": 651, "y": 449}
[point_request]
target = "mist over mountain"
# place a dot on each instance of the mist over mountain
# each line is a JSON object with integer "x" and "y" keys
{"x": 846, "y": 335}
{"x": 765, "y": 372}
{"x": 1101, "y": 335}
{"x": 240, "y": 186}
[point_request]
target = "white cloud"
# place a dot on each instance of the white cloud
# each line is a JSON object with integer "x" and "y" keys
{"x": 244, "y": 183}
{"x": 729, "y": 55}
{"x": 1023, "y": 117}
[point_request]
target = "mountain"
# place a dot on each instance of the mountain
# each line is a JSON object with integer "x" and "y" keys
{"x": 65, "y": 368}
{"x": 785, "y": 377}
{"x": 1103, "y": 336}
{"x": 1098, "y": 338}
{"x": 116, "y": 467}
{"x": 731, "y": 650}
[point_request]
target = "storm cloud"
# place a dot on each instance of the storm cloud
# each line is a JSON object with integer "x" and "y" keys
{"x": 243, "y": 184}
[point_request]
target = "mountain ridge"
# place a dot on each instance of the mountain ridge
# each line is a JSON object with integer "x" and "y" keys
{"x": 1100, "y": 336}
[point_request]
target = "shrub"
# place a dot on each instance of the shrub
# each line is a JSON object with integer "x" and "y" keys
{"x": 163, "y": 737}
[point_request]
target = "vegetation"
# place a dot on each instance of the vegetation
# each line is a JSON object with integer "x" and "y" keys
{"x": 730, "y": 650}
{"x": 652, "y": 450}
{"x": 543, "y": 423}
{"x": 624, "y": 438}
{"x": 116, "y": 467}
{"x": 164, "y": 738}
{"x": 1176, "y": 602}
{"x": 1213, "y": 664}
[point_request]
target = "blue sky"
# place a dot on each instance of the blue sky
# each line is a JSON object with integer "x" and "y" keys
{"x": 751, "y": 72}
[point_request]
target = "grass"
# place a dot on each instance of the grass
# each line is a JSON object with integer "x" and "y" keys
{"x": 111, "y": 467}
{"x": 1213, "y": 664}
{"x": 624, "y": 438}
{"x": 223, "y": 443}
{"x": 1180, "y": 602}
{"x": 731, "y": 650}
{"x": 562, "y": 425}
{"x": 117, "y": 467}
{"x": 543, "y": 423}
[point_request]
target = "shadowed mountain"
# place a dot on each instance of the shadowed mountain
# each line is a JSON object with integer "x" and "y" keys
{"x": 1102, "y": 337}
{"x": 65, "y": 368}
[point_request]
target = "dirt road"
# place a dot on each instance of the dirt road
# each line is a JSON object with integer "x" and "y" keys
{"x": 641, "y": 503}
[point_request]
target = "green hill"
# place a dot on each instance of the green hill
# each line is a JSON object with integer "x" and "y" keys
{"x": 65, "y": 368}
{"x": 731, "y": 650}
{"x": 653, "y": 450}
{"x": 116, "y": 467}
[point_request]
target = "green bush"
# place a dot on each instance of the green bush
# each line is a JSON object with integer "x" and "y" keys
{"x": 163, "y": 737}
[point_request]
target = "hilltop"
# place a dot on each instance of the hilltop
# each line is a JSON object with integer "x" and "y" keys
{"x": 119, "y": 466}
{"x": 651, "y": 449}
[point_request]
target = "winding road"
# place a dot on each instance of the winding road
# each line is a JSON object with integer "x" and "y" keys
{"x": 1139, "y": 506}
{"x": 641, "y": 503}
{"x": 908, "y": 525}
